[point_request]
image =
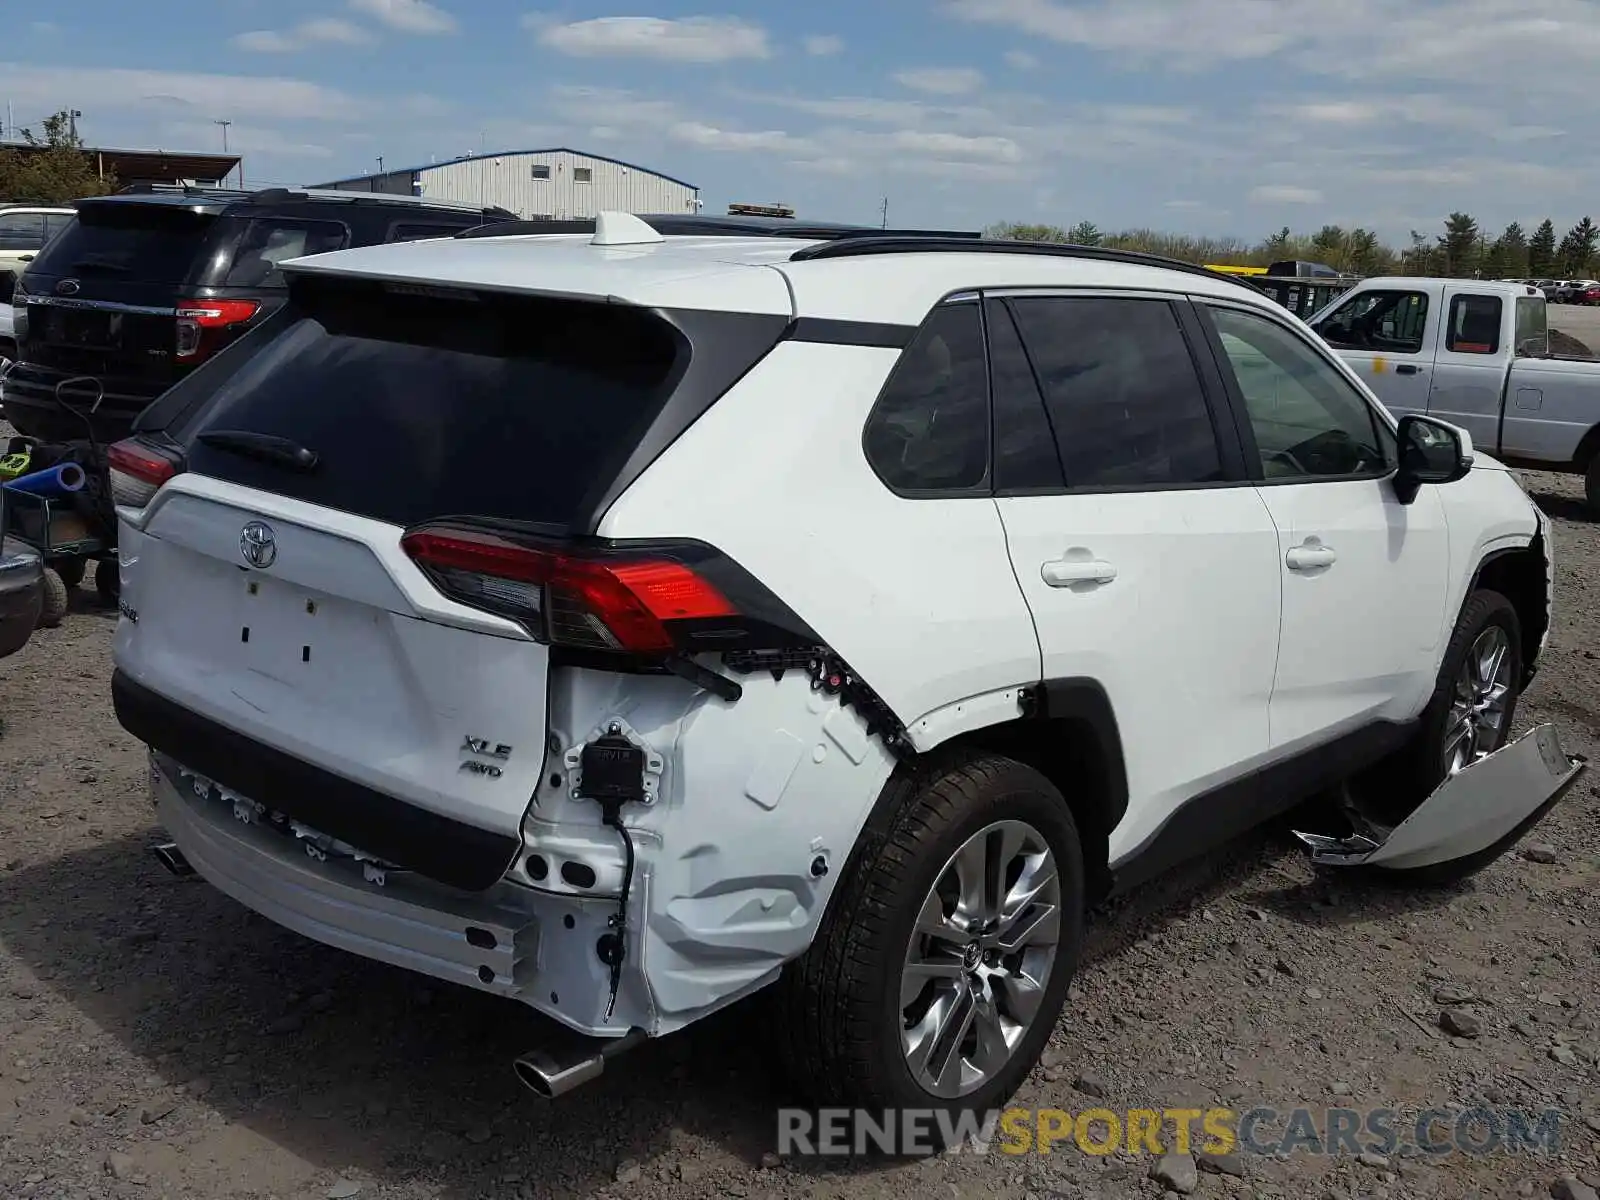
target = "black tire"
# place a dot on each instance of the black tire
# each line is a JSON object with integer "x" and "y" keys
{"x": 71, "y": 571}
{"x": 1591, "y": 487}
{"x": 55, "y": 600}
{"x": 108, "y": 580}
{"x": 1421, "y": 767}
{"x": 839, "y": 1006}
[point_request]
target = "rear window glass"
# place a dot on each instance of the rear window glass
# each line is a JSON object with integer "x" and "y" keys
{"x": 268, "y": 241}
{"x": 510, "y": 407}
{"x": 138, "y": 242}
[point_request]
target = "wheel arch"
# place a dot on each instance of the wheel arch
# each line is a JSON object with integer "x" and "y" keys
{"x": 1066, "y": 729}
{"x": 1520, "y": 574}
{"x": 1588, "y": 448}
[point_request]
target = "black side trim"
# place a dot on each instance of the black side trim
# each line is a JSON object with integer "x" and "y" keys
{"x": 1214, "y": 818}
{"x": 851, "y": 333}
{"x": 458, "y": 855}
{"x": 1085, "y": 700}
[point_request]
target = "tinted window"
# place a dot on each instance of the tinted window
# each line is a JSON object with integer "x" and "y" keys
{"x": 508, "y": 407}
{"x": 1309, "y": 422}
{"x": 1121, "y": 391}
{"x": 1390, "y": 322}
{"x": 1025, "y": 454}
{"x": 143, "y": 243}
{"x": 405, "y": 232}
{"x": 269, "y": 241}
{"x": 929, "y": 430}
{"x": 1533, "y": 331}
{"x": 1474, "y": 325}
{"x": 21, "y": 231}
{"x": 54, "y": 223}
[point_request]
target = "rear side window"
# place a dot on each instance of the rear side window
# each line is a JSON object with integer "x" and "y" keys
{"x": 142, "y": 243}
{"x": 1474, "y": 325}
{"x": 269, "y": 241}
{"x": 21, "y": 231}
{"x": 1533, "y": 330}
{"x": 510, "y": 407}
{"x": 1121, "y": 391}
{"x": 1025, "y": 453}
{"x": 929, "y": 431}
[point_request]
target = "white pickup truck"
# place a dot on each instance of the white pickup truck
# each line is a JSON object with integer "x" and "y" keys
{"x": 1476, "y": 354}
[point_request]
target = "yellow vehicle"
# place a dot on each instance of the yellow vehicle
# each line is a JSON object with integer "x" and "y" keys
{"x": 1228, "y": 269}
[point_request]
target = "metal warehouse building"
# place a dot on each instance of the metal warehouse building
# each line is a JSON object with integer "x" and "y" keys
{"x": 561, "y": 184}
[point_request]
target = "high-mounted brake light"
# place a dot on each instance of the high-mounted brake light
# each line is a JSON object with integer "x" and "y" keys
{"x": 137, "y": 471}
{"x": 598, "y": 601}
{"x": 203, "y": 323}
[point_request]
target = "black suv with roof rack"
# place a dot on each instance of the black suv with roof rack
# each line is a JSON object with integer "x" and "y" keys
{"x": 143, "y": 286}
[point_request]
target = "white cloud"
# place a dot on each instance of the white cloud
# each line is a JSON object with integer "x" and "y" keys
{"x": 322, "y": 30}
{"x": 1284, "y": 193}
{"x": 408, "y": 16}
{"x": 1021, "y": 60}
{"x": 940, "y": 81}
{"x": 684, "y": 40}
{"x": 709, "y": 137}
{"x": 823, "y": 44}
{"x": 168, "y": 95}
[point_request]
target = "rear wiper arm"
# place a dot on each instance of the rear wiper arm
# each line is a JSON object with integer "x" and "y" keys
{"x": 266, "y": 447}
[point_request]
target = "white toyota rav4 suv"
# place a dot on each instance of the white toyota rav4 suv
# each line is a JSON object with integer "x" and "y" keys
{"x": 622, "y": 622}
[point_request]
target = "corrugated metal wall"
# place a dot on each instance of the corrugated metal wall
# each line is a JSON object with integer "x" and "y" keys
{"x": 507, "y": 180}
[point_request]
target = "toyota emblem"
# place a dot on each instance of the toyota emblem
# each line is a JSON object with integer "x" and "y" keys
{"x": 67, "y": 287}
{"x": 257, "y": 545}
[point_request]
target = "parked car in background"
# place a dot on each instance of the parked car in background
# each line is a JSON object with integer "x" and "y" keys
{"x": 147, "y": 284}
{"x": 1586, "y": 292}
{"x": 1476, "y": 354}
{"x": 622, "y": 623}
{"x": 24, "y": 230}
{"x": 21, "y": 594}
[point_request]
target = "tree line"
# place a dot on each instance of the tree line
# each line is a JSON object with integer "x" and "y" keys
{"x": 1464, "y": 250}
{"x": 54, "y": 170}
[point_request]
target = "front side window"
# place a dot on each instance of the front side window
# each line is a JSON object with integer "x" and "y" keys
{"x": 1309, "y": 422}
{"x": 1533, "y": 330}
{"x": 1387, "y": 322}
{"x": 929, "y": 431}
{"x": 1121, "y": 391}
{"x": 1474, "y": 325}
{"x": 21, "y": 231}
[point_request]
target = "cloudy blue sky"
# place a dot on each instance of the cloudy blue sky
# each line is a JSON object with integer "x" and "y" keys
{"x": 1207, "y": 116}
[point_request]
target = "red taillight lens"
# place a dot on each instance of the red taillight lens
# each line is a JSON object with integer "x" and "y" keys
{"x": 201, "y": 321}
{"x": 138, "y": 470}
{"x": 599, "y": 602}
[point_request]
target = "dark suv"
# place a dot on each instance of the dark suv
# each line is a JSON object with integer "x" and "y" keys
{"x": 145, "y": 285}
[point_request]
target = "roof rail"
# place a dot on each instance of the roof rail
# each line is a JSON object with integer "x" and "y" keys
{"x": 893, "y": 243}
{"x": 703, "y": 225}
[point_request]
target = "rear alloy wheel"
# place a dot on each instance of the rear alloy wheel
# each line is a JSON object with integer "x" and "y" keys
{"x": 943, "y": 958}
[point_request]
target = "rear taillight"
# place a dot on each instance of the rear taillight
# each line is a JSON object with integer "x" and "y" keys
{"x": 138, "y": 469}
{"x": 606, "y": 600}
{"x": 204, "y": 326}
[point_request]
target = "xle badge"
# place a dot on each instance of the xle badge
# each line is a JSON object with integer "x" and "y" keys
{"x": 486, "y": 749}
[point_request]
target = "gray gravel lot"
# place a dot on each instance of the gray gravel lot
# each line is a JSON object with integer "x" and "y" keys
{"x": 158, "y": 1040}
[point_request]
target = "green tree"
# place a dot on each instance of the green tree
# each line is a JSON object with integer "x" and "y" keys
{"x": 53, "y": 170}
{"x": 1578, "y": 249}
{"x": 1459, "y": 245}
{"x": 1542, "y": 250}
{"x": 1367, "y": 255}
{"x": 1328, "y": 246}
{"x": 1085, "y": 233}
{"x": 1423, "y": 257}
{"x": 1278, "y": 244}
{"x": 1511, "y": 250}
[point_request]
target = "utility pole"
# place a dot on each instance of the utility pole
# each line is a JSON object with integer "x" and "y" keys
{"x": 380, "y": 164}
{"x": 885, "y": 221}
{"x": 72, "y": 123}
{"x": 11, "y": 124}
{"x": 224, "y": 125}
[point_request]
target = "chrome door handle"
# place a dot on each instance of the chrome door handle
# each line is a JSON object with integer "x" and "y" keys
{"x": 1310, "y": 558}
{"x": 1064, "y": 572}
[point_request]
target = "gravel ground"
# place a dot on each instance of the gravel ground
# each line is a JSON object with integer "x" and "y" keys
{"x": 158, "y": 1040}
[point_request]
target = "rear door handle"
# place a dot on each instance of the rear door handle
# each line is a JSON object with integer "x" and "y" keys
{"x": 24, "y": 258}
{"x": 1408, "y": 369}
{"x": 1064, "y": 572}
{"x": 1310, "y": 558}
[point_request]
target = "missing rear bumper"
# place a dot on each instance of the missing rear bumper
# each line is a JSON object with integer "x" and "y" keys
{"x": 1493, "y": 802}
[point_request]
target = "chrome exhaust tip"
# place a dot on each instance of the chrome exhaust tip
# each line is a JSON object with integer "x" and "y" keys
{"x": 555, "y": 1070}
{"x": 170, "y": 857}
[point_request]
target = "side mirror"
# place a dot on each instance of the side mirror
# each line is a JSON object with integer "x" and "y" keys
{"x": 1431, "y": 451}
